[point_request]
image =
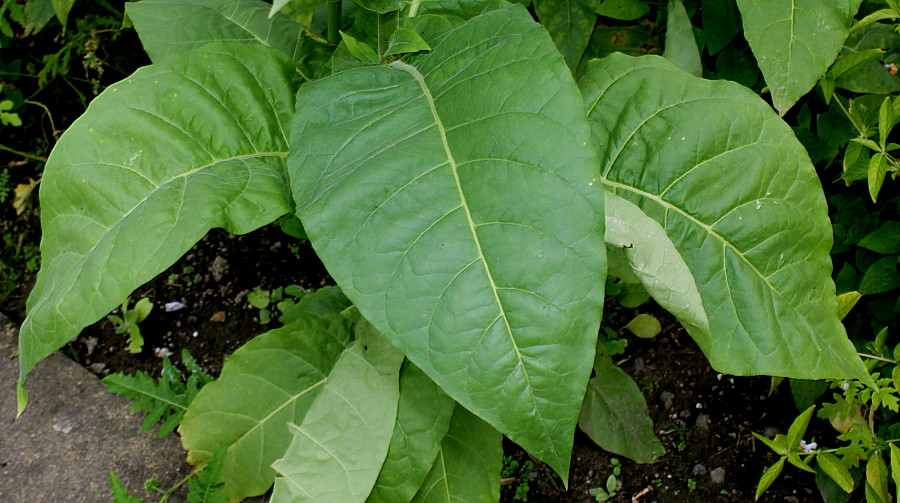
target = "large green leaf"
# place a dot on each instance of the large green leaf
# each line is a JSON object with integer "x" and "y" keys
{"x": 795, "y": 42}
{"x": 643, "y": 247}
{"x": 614, "y": 415}
{"x": 270, "y": 381}
{"x": 175, "y": 27}
{"x": 738, "y": 197}
{"x": 570, "y": 23}
{"x": 427, "y": 189}
{"x": 468, "y": 465}
{"x": 157, "y": 160}
{"x": 338, "y": 450}
{"x": 423, "y": 418}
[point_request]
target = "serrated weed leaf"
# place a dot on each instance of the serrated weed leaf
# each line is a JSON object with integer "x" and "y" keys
{"x": 164, "y": 400}
{"x": 426, "y": 189}
{"x": 736, "y": 193}
{"x": 119, "y": 493}
{"x": 158, "y": 160}
{"x": 268, "y": 382}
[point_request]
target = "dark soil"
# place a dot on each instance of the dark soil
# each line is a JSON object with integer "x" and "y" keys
{"x": 703, "y": 418}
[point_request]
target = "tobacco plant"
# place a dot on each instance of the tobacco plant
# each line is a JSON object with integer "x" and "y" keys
{"x": 469, "y": 198}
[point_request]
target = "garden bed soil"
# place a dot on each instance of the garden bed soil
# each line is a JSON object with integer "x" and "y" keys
{"x": 703, "y": 418}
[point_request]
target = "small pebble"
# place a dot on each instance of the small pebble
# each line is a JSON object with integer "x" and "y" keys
{"x": 717, "y": 475}
{"x": 702, "y": 422}
{"x": 174, "y": 306}
{"x": 699, "y": 469}
{"x": 667, "y": 398}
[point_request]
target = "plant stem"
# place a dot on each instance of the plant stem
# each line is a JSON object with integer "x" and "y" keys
{"x": 859, "y": 128}
{"x": 47, "y": 110}
{"x": 334, "y": 21}
{"x": 414, "y": 8}
{"x": 23, "y": 154}
{"x": 879, "y": 358}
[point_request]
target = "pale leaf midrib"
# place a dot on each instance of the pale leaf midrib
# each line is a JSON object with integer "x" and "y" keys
{"x": 412, "y": 71}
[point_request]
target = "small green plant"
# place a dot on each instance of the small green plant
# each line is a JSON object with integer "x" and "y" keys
{"x": 164, "y": 399}
{"x": 516, "y": 477}
{"x": 691, "y": 484}
{"x": 272, "y": 302}
{"x": 128, "y": 322}
{"x": 204, "y": 485}
{"x": 613, "y": 483}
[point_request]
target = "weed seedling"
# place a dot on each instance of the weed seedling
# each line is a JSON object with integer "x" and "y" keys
{"x": 515, "y": 475}
{"x": 283, "y": 298}
{"x": 128, "y": 322}
{"x": 613, "y": 483}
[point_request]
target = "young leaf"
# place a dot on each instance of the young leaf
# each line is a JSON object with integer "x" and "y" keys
{"x": 205, "y": 487}
{"x": 884, "y": 240}
{"x": 172, "y": 28}
{"x": 877, "y": 478}
{"x": 876, "y": 174}
{"x": 426, "y": 189}
{"x": 895, "y": 464}
{"x": 119, "y": 493}
{"x": 467, "y": 465}
{"x": 338, "y": 450}
{"x": 645, "y": 326}
{"x": 795, "y": 42}
{"x": 329, "y": 299}
{"x": 405, "y": 41}
{"x": 758, "y": 250}
{"x": 157, "y": 161}
{"x": 570, "y": 23}
{"x": 360, "y": 50}
{"x": 165, "y": 399}
{"x": 270, "y": 381}
{"x": 768, "y": 477}
{"x": 423, "y": 418}
{"x": 798, "y": 428}
{"x": 614, "y": 415}
{"x": 778, "y": 444}
{"x": 846, "y": 301}
{"x": 880, "y": 277}
{"x": 681, "y": 46}
{"x": 142, "y": 309}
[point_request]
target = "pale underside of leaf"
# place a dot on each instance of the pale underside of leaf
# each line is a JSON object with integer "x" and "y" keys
{"x": 656, "y": 262}
{"x": 172, "y": 28}
{"x": 338, "y": 450}
{"x": 736, "y": 194}
{"x": 795, "y": 42}
{"x": 448, "y": 235}
{"x": 267, "y": 383}
{"x": 156, "y": 161}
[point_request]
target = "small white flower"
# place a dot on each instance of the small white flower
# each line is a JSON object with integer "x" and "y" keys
{"x": 806, "y": 448}
{"x": 162, "y": 352}
{"x": 845, "y": 385}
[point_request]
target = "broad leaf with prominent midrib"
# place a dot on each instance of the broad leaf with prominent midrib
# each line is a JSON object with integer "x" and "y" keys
{"x": 739, "y": 199}
{"x": 337, "y": 452}
{"x": 157, "y": 161}
{"x": 795, "y": 41}
{"x": 175, "y": 27}
{"x": 467, "y": 464}
{"x": 270, "y": 381}
{"x": 453, "y": 197}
